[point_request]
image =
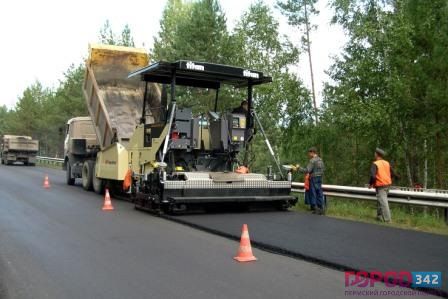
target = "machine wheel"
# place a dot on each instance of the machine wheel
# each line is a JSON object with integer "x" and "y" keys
{"x": 3, "y": 161}
{"x": 98, "y": 184}
{"x": 87, "y": 175}
{"x": 68, "y": 175}
{"x": 283, "y": 206}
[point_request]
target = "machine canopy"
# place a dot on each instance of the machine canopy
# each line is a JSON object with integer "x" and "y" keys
{"x": 200, "y": 74}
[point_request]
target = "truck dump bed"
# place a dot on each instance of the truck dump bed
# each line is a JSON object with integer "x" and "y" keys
{"x": 115, "y": 102}
{"x": 19, "y": 143}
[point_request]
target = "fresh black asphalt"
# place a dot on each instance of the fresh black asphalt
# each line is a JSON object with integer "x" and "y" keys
{"x": 342, "y": 244}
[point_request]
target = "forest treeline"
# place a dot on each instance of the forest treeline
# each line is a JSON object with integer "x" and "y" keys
{"x": 388, "y": 88}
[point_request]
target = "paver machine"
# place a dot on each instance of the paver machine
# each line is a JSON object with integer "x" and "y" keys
{"x": 174, "y": 160}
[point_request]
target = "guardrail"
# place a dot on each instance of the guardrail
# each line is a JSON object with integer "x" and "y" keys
{"x": 420, "y": 197}
{"x": 430, "y": 198}
{"x": 50, "y": 161}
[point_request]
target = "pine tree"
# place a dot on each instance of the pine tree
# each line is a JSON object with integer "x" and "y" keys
{"x": 299, "y": 13}
{"x": 106, "y": 35}
{"x": 126, "y": 37}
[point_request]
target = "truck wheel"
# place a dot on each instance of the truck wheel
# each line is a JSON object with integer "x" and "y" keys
{"x": 87, "y": 175}
{"x": 98, "y": 184}
{"x": 68, "y": 172}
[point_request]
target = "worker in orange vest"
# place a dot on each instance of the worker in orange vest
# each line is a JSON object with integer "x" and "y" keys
{"x": 307, "y": 189}
{"x": 381, "y": 179}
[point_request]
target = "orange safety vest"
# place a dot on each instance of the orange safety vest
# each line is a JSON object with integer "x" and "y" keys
{"x": 307, "y": 182}
{"x": 127, "y": 180}
{"x": 383, "y": 175}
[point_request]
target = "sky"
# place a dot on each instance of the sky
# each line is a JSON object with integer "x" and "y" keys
{"x": 42, "y": 38}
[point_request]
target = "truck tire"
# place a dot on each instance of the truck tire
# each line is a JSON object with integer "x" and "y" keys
{"x": 87, "y": 175}
{"x": 98, "y": 185}
{"x": 68, "y": 172}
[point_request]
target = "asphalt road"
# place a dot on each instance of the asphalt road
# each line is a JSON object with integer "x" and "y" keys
{"x": 57, "y": 243}
{"x": 335, "y": 242}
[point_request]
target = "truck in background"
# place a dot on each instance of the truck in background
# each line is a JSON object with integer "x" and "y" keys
{"x": 19, "y": 149}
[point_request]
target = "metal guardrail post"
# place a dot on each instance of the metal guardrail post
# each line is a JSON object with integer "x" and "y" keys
{"x": 49, "y": 160}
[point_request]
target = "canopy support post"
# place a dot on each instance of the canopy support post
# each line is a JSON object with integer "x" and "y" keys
{"x": 143, "y": 118}
{"x": 216, "y": 99}
{"x": 173, "y": 111}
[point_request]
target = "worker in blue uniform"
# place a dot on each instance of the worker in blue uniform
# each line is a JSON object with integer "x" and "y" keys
{"x": 315, "y": 169}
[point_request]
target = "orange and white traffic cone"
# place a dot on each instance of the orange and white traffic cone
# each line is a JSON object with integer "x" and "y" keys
{"x": 107, "y": 206}
{"x": 245, "y": 249}
{"x": 46, "y": 182}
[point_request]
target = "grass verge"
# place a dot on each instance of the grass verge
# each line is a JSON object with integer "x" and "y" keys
{"x": 426, "y": 219}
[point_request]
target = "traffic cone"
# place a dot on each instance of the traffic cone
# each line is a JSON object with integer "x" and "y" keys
{"x": 245, "y": 249}
{"x": 46, "y": 182}
{"x": 107, "y": 206}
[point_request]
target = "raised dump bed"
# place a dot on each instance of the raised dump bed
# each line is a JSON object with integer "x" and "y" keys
{"x": 114, "y": 101}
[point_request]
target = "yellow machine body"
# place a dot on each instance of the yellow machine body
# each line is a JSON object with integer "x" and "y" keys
{"x": 112, "y": 162}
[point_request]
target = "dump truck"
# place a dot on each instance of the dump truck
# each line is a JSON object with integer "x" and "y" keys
{"x": 163, "y": 156}
{"x": 80, "y": 149}
{"x": 19, "y": 149}
{"x": 115, "y": 104}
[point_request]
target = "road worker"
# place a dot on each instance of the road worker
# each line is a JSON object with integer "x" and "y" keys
{"x": 242, "y": 109}
{"x": 381, "y": 179}
{"x": 315, "y": 169}
{"x": 242, "y": 169}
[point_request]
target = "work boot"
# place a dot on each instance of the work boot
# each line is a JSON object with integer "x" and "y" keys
{"x": 320, "y": 211}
